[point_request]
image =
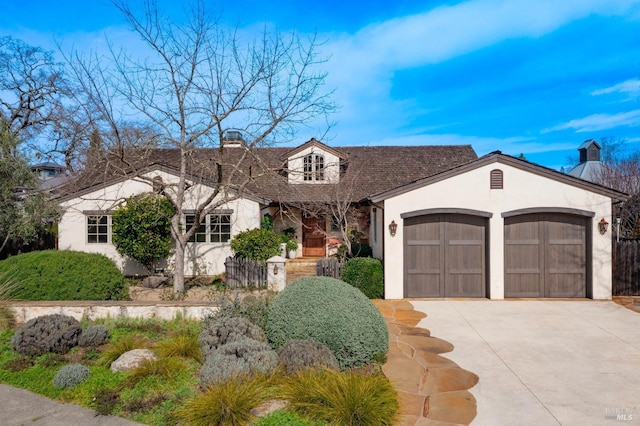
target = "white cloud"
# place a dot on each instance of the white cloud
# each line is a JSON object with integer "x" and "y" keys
{"x": 632, "y": 87}
{"x": 597, "y": 122}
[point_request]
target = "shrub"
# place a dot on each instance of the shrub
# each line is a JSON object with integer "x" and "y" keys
{"x": 365, "y": 274}
{"x": 228, "y": 403}
{"x": 50, "y": 333}
{"x": 64, "y": 275}
{"x": 70, "y": 376}
{"x": 296, "y": 355}
{"x": 94, "y": 335}
{"x": 347, "y": 398}
{"x": 241, "y": 357}
{"x": 256, "y": 244}
{"x": 331, "y": 312}
{"x": 252, "y": 307}
{"x": 142, "y": 228}
{"x": 219, "y": 331}
{"x": 7, "y": 316}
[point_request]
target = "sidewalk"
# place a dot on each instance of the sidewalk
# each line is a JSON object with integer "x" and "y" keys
{"x": 21, "y": 407}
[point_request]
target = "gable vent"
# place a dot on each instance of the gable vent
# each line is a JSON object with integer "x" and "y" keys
{"x": 496, "y": 179}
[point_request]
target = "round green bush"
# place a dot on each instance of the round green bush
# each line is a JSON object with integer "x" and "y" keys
{"x": 70, "y": 376}
{"x": 241, "y": 357}
{"x": 48, "y": 333}
{"x": 256, "y": 244}
{"x": 365, "y": 274}
{"x": 63, "y": 275}
{"x": 331, "y": 312}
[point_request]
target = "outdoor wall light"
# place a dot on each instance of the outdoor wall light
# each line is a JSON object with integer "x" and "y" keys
{"x": 275, "y": 269}
{"x": 393, "y": 227}
{"x": 602, "y": 226}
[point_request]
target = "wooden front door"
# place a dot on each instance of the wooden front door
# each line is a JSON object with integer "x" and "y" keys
{"x": 313, "y": 236}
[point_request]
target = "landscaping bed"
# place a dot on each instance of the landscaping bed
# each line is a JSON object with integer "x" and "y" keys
{"x": 227, "y": 369}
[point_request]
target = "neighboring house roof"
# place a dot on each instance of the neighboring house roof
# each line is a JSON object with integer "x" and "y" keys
{"x": 589, "y": 170}
{"x": 367, "y": 170}
{"x": 498, "y": 157}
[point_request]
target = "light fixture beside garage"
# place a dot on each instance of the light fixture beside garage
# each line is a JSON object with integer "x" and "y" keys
{"x": 602, "y": 226}
{"x": 393, "y": 227}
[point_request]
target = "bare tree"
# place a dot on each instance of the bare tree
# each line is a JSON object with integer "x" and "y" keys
{"x": 196, "y": 82}
{"x": 621, "y": 170}
{"x": 31, "y": 87}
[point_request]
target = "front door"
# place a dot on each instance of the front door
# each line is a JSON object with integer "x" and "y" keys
{"x": 313, "y": 236}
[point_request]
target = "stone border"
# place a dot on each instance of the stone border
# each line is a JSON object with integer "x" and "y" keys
{"x": 100, "y": 309}
{"x": 431, "y": 388}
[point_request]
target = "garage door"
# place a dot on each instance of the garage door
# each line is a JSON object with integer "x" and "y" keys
{"x": 445, "y": 256}
{"x": 546, "y": 255}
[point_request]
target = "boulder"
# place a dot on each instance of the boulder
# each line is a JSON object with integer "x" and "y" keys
{"x": 154, "y": 281}
{"x": 132, "y": 359}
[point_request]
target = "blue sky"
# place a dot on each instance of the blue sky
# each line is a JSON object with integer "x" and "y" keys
{"x": 522, "y": 76}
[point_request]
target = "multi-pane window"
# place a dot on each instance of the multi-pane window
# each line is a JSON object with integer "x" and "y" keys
{"x": 98, "y": 229}
{"x": 201, "y": 233}
{"x": 313, "y": 167}
{"x": 220, "y": 228}
{"x": 215, "y": 228}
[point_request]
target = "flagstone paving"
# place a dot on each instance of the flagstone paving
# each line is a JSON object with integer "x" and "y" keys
{"x": 432, "y": 390}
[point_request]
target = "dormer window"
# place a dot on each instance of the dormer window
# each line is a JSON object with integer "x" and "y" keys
{"x": 313, "y": 167}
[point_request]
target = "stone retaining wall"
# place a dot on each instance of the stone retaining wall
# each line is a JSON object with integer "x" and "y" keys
{"x": 91, "y": 310}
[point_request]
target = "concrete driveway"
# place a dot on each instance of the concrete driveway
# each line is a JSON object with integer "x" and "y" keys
{"x": 544, "y": 362}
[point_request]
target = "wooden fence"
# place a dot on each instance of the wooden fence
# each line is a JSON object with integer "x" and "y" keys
{"x": 330, "y": 267}
{"x": 242, "y": 273}
{"x": 626, "y": 268}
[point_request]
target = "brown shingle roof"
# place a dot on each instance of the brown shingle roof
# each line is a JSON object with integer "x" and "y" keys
{"x": 370, "y": 170}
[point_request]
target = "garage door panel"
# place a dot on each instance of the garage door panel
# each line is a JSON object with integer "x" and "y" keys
{"x": 464, "y": 285}
{"x": 421, "y": 284}
{"x": 444, "y": 255}
{"x": 545, "y": 256}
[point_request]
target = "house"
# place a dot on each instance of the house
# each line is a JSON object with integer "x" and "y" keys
{"x": 294, "y": 186}
{"x": 445, "y": 222}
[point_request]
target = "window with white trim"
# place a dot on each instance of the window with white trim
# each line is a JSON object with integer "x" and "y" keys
{"x": 98, "y": 228}
{"x": 313, "y": 167}
{"x": 216, "y": 228}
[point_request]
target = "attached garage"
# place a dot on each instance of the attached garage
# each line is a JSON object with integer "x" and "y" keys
{"x": 497, "y": 227}
{"x": 547, "y": 254}
{"x": 445, "y": 254}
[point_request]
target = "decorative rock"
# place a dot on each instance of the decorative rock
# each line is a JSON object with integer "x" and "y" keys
{"x": 132, "y": 359}
{"x": 154, "y": 281}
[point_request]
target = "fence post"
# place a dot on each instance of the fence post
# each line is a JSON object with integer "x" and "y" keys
{"x": 276, "y": 273}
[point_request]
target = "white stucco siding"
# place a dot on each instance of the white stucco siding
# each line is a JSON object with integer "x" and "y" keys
{"x": 201, "y": 258}
{"x": 521, "y": 190}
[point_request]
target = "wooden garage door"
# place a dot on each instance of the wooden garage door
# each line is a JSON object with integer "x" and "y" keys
{"x": 546, "y": 255}
{"x": 444, "y": 256}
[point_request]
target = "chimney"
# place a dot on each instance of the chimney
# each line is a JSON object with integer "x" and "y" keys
{"x": 233, "y": 139}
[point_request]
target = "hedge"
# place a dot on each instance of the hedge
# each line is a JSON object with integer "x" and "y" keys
{"x": 63, "y": 275}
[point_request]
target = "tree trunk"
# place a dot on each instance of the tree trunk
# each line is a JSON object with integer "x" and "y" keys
{"x": 178, "y": 273}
